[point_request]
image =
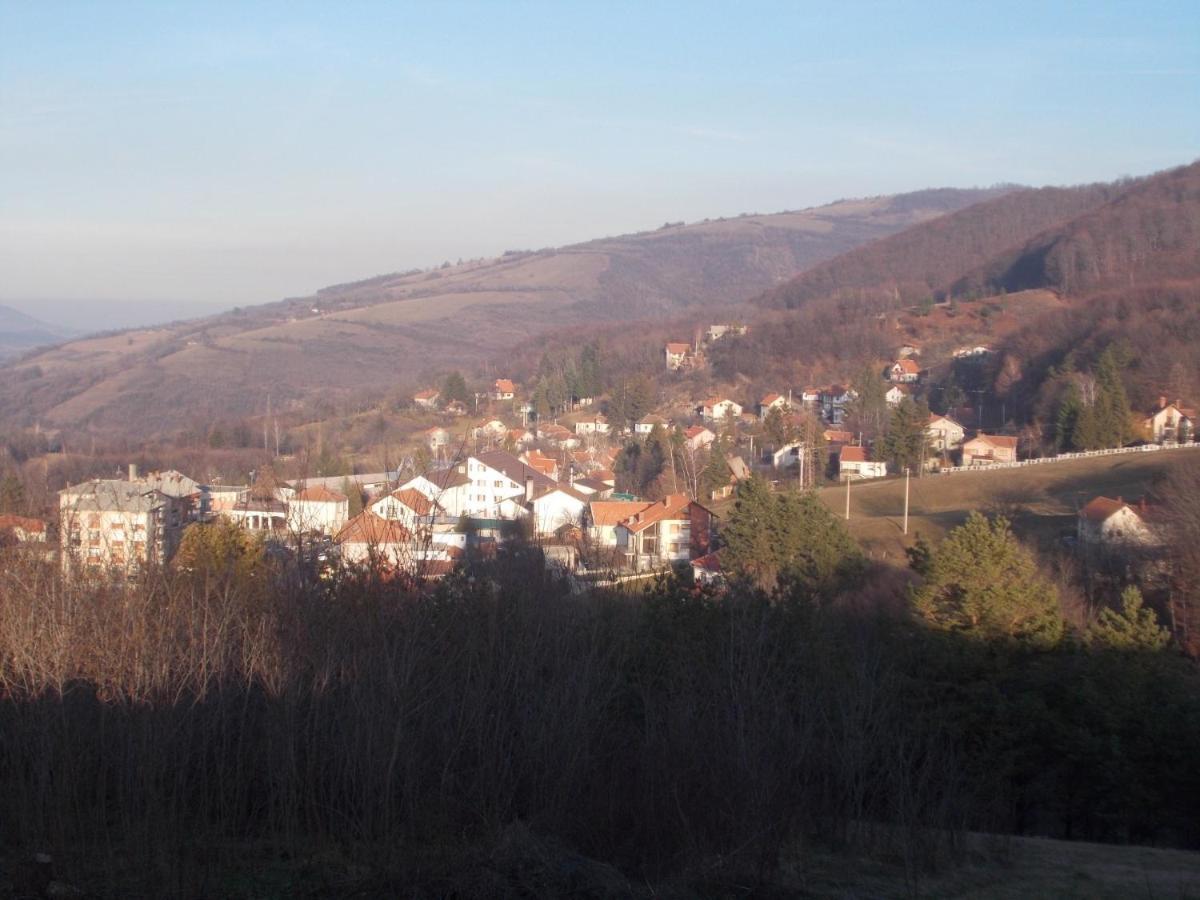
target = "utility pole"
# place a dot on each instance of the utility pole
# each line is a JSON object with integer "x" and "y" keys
{"x": 847, "y": 498}
{"x": 906, "y": 499}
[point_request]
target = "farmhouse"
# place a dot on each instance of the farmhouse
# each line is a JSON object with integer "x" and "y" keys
{"x": 988, "y": 449}
{"x": 426, "y": 399}
{"x": 718, "y": 408}
{"x": 944, "y": 433}
{"x": 677, "y": 355}
{"x": 317, "y": 509}
{"x": 904, "y": 371}
{"x": 1170, "y": 422}
{"x": 853, "y": 462}
{"x": 503, "y": 389}
{"x": 1110, "y": 523}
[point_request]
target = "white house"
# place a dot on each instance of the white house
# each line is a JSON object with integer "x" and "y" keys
{"x": 603, "y": 516}
{"x": 677, "y": 355}
{"x": 944, "y": 433}
{"x": 408, "y": 506}
{"x": 1170, "y": 422}
{"x": 551, "y": 507}
{"x": 698, "y": 436}
{"x": 716, "y": 409}
{"x": 317, "y": 509}
{"x": 904, "y": 371}
{"x": 369, "y": 540}
{"x": 853, "y": 462}
{"x": 450, "y": 488}
{"x": 987, "y": 449}
{"x": 503, "y": 389}
{"x": 1113, "y": 523}
{"x": 772, "y": 401}
{"x": 436, "y": 438}
{"x": 787, "y": 455}
{"x": 675, "y": 529}
{"x": 592, "y": 426}
{"x": 895, "y": 394}
{"x": 646, "y": 425}
{"x": 427, "y": 399}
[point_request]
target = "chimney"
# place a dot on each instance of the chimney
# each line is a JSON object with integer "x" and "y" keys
{"x": 133, "y": 472}
{"x": 1162, "y": 401}
{"x": 529, "y": 488}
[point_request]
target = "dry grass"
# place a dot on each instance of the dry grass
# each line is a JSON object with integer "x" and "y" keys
{"x": 1040, "y": 500}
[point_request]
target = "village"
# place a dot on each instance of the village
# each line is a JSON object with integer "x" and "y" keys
{"x": 511, "y": 475}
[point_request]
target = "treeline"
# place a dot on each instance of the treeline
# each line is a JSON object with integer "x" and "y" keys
{"x": 926, "y": 259}
{"x": 681, "y": 734}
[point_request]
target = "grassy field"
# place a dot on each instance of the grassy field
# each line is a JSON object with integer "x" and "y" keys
{"x": 1041, "y": 501}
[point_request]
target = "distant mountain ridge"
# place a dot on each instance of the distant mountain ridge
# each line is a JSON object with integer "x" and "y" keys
{"x": 372, "y": 336}
{"x": 20, "y": 332}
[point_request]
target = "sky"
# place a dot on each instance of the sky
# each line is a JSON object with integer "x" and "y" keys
{"x": 160, "y": 160}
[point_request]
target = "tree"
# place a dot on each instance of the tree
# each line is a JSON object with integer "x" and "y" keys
{"x": 751, "y": 532}
{"x": 869, "y": 410}
{"x": 1134, "y": 627}
{"x": 906, "y": 444}
{"x": 1066, "y": 418}
{"x": 455, "y": 388}
{"x": 1114, "y": 427}
{"x": 982, "y": 582}
{"x": 775, "y": 427}
{"x": 354, "y": 498}
{"x": 12, "y": 494}
{"x": 716, "y": 472}
{"x": 219, "y": 548}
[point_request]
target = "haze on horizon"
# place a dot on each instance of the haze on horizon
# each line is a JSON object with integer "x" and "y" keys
{"x": 159, "y": 162}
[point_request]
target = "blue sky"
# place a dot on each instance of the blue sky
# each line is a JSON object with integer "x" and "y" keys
{"x": 160, "y": 159}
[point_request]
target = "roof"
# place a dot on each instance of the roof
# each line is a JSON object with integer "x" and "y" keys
{"x": 710, "y": 563}
{"x": 837, "y": 437}
{"x": 112, "y": 495}
{"x": 414, "y": 500}
{"x": 368, "y": 528}
{"x": 1101, "y": 508}
{"x": 171, "y": 482}
{"x": 697, "y": 430}
{"x": 504, "y": 386}
{"x": 771, "y": 398}
{"x": 426, "y": 395}
{"x": 321, "y": 494}
{"x": 713, "y": 401}
{"x": 853, "y": 454}
{"x": 556, "y": 487}
{"x": 591, "y": 484}
{"x": 907, "y": 366}
{"x": 934, "y": 418}
{"x": 611, "y": 512}
{"x": 515, "y": 469}
{"x": 996, "y": 440}
{"x": 678, "y": 347}
{"x": 443, "y": 478}
{"x": 21, "y": 523}
{"x": 672, "y": 507}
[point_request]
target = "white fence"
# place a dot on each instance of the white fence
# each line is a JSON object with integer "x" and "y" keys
{"x": 1064, "y": 457}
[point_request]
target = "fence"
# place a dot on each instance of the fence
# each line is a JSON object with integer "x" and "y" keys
{"x": 1065, "y": 457}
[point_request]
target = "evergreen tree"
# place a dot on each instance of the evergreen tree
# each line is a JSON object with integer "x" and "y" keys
{"x": 354, "y": 499}
{"x": 1086, "y": 433}
{"x": 775, "y": 428}
{"x": 716, "y": 473}
{"x": 906, "y": 444}
{"x": 1066, "y": 418}
{"x": 868, "y": 412}
{"x": 982, "y": 582}
{"x": 455, "y": 388}
{"x": 1113, "y": 420}
{"x": 751, "y": 533}
{"x": 1133, "y": 628}
{"x": 12, "y": 494}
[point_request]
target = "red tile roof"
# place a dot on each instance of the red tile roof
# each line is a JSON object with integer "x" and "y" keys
{"x": 415, "y": 500}
{"x": 1101, "y": 508}
{"x": 673, "y": 507}
{"x": 321, "y": 494}
{"x": 612, "y": 512}
{"x": 30, "y": 526}
{"x": 908, "y": 366}
{"x": 853, "y": 454}
{"x": 996, "y": 440}
{"x": 504, "y": 386}
{"x": 678, "y": 348}
{"x": 368, "y": 528}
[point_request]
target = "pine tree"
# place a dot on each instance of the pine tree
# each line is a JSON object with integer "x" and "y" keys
{"x": 906, "y": 444}
{"x": 12, "y": 494}
{"x": 1086, "y": 433}
{"x": 1066, "y": 418}
{"x": 455, "y": 388}
{"x": 774, "y": 427}
{"x": 354, "y": 504}
{"x": 716, "y": 473}
{"x": 1113, "y": 421}
{"x": 1133, "y": 628}
{"x": 983, "y": 583}
{"x": 751, "y": 533}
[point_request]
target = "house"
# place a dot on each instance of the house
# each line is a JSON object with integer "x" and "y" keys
{"x": 674, "y": 529}
{"x": 975, "y": 352}
{"x": 904, "y": 371}
{"x": 117, "y": 525}
{"x": 21, "y": 530}
{"x": 455, "y": 408}
{"x": 716, "y": 332}
{"x": 773, "y": 401}
{"x": 944, "y": 433}
{"x": 449, "y": 488}
{"x": 317, "y": 509}
{"x": 738, "y": 469}
{"x": 1104, "y": 522}
{"x": 895, "y": 394}
{"x": 836, "y": 436}
{"x": 987, "y": 449}
{"x": 503, "y": 389}
{"x": 717, "y": 409}
{"x": 369, "y": 540}
{"x": 370, "y": 483}
{"x": 810, "y": 396}
{"x": 592, "y": 426}
{"x": 552, "y": 507}
{"x": 547, "y": 465}
{"x": 907, "y": 350}
{"x": 498, "y": 476}
{"x": 260, "y": 513}
{"x": 853, "y": 462}
{"x": 519, "y": 438}
{"x": 697, "y": 437}
{"x": 786, "y": 456}
{"x": 646, "y": 425}
{"x": 436, "y": 438}
{"x": 834, "y": 400}
{"x": 427, "y": 399}
{"x": 489, "y": 431}
{"x": 1170, "y": 422}
{"x": 603, "y": 516}
{"x": 558, "y": 435}
{"x": 592, "y": 488}
{"x": 411, "y": 507}
{"x": 707, "y": 569}
{"x": 677, "y": 355}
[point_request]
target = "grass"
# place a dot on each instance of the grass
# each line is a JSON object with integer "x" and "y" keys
{"x": 1041, "y": 501}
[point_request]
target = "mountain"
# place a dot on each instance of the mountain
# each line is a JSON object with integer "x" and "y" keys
{"x": 925, "y": 260}
{"x": 20, "y": 332}
{"x": 369, "y": 338}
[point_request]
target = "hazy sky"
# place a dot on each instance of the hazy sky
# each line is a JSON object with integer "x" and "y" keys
{"x": 180, "y": 157}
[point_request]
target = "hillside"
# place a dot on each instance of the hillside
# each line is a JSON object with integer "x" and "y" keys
{"x": 391, "y": 331}
{"x": 20, "y": 333}
{"x": 924, "y": 260}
